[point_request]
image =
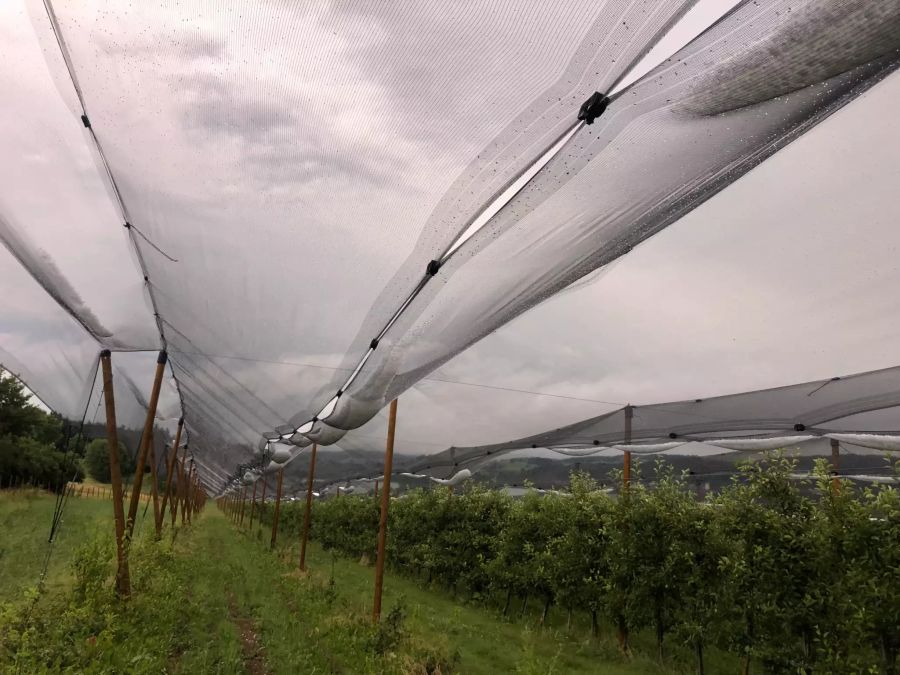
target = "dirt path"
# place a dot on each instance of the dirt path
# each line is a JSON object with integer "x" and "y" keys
{"x": 254, "y": 659}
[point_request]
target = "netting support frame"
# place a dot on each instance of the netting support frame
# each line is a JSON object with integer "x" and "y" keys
{"x": 385, "y": 504}
{"x": 309, "y": 496}
{"x": 123, "y": 578}
{"x": 277, "y": 513}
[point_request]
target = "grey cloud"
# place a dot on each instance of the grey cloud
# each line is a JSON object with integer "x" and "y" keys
{"x": 280, "y": 142}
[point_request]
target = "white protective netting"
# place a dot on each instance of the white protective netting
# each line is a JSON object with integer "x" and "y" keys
{"x": 289, "y": 172}
{"x": 860, "y": 412}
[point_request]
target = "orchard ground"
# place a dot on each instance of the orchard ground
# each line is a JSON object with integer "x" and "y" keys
{"x": 218, "y": 601}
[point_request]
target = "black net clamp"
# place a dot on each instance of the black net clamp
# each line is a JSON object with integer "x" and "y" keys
{"x": 593, "y": 107}
{"x": 85, "y": 121}
{"x": 433, "y": 268}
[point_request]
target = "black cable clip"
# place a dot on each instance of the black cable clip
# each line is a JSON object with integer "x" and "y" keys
{"x": 85, "y": 121}
{"x": 593, "y": 107}
{"x": 433, "y": 268}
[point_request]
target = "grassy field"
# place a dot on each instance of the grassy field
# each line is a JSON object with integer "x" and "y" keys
{"x": 25, "y": 518}
{"x": 217, "y": 601}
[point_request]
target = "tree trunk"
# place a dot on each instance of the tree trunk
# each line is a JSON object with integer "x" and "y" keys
{"x": 524, "y": 605}
{"x": 698, "y": 647}
{"x": 749, "y": 618}
{"x": 546, "y": 609}
{"x": 808, "y": 651}
{"x": 660, "y": 633}
{"x": 508, "y": 600}
{"x": 622, "y": 635}
{"x": 595, "y": 627}
{"x": 569, "y": 619}
{"x": 888, "y": 654}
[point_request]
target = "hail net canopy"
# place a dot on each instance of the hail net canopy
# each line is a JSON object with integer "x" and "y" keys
{"x": 312, "y": 208}
{"x": 860, "y": 413}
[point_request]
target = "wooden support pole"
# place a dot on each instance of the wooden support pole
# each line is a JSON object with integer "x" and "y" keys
{"x": 252, "y": 504}
{"x": 177, "y": 469}
{"x": 626, "y": 459}
{"x": 376, "y": 489}
{"x": 309, "y": 494}
{"x": 154, "y": 488}
{"x": 123, "y": 580}
{"x": 835, "y": 467}
{"x": 385, "y": 504}
{"x": 145, "y": 444}
{"x": 188, "y": 509}
{"x": 183, "y": 488}
{"x": 243, "y": 503}
{"x": 170, "y": 467}
{"x": 262, "y": 502}
{"x": 277, "y": 509}
{"x": 185, "y": 492}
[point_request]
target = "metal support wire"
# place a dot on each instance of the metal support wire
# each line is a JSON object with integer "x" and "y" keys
{"x": 494, "y": 205}
{"x": 63, "y": 497}
{"x": 85, "y": 119}
{"x": 590, "y": 109}
{"x": 60, "y": 507}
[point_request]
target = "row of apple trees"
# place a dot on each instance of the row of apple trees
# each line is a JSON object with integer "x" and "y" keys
{"x": 795, "y": 578}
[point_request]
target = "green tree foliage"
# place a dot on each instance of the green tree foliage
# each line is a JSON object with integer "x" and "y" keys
{"x": 580, "y": 570}
{"x": 18, "y": 416}
{"x": 646, "y": 578}
{"x": 96, "y": 460}
{"x": 769, "y": 565}
{"x": 25, "y": 461}
{"x": 347, "y": 524}
{"x": 792, "y": 577}
{"x": 31, "y": 441}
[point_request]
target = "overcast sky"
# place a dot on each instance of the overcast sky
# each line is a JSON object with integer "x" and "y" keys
{"x": 291, "y": 188}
